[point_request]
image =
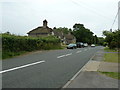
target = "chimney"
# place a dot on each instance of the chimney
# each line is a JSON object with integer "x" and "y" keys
{"x": 45, "y": 23}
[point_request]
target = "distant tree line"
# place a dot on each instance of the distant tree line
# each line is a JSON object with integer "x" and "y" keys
{"x": 81, "y": 33}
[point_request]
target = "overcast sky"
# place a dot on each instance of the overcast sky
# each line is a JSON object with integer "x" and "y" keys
{"x": 21, "y": 16}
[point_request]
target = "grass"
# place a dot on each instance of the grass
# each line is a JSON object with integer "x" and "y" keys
{"x": 6, "y": 55}
{"x": 109, "y": 50}
{"x": 115, "y": 75}
{"x": 111, "y": 57}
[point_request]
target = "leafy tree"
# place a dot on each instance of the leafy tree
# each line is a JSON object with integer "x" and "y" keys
{"x": 101, "y": 41}
{"x": 112, "y": 38}
{"x": 64, "y": 30}
{"x": 83, "y": 34}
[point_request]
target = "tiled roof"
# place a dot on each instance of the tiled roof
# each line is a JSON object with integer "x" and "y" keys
{"x": 41, "y": 30}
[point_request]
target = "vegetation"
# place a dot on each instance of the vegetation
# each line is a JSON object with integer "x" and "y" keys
{"x": 13, "y": 45}
{"x": 65, "y": 30}
{"x": 112, "y": 38}
{"x": 107, "y": 49}
{"x": 101, "y": 41}
{"x": 84, "y": 35}
{"x": 115, "y": 75}
{"x": 111, "y": 53}
{"x": 113, "y": 59}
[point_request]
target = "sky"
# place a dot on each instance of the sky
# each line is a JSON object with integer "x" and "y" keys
{"x": 21, "y": 16}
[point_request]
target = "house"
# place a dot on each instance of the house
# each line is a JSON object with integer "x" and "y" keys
{"x": 44, "y": 31}
{"x": 41, "y": 31}
{"x": 65, "y": 38}
{"x": 69, "y": 38}
{"x": 58, "y": 34}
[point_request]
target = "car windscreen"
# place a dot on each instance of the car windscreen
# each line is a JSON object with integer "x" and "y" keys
{"x": 70, "y": 45}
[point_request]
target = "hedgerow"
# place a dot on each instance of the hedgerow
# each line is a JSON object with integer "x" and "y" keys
{"x": 12, "y": 44}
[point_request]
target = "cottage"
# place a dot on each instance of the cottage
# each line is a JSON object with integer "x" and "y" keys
{"x": 69, "y": 38}
{"x": 41, "y": 31}
{"x": 44, "y": 31}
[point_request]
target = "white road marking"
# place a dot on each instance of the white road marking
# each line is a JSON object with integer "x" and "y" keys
{"x": 85, "y": 50}
{"x": 21, "y": 67}
{"x": 78, "y": 51}
{"x": 64, "y": 55}
{"x": 61, "y": 56}
{"x": 68, "y": 54}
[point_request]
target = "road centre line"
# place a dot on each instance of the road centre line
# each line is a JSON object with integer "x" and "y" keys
{"x": 20, "y": 67}
{"x": 85, "y": 50}
{"x": 78, "y": 51}
{"x": 64, "y": 55}
{"x": 61, "y": 56}
{"x": 68, "y": 54}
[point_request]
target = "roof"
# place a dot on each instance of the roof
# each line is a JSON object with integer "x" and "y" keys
{"x": 40, "y": 30}
{"x": 58, "y": 33}
{"x": 69, "y": 36}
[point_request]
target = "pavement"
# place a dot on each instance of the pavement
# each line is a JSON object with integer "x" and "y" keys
{"x": 109, "y": 67}
{"x": 89, "y": 77}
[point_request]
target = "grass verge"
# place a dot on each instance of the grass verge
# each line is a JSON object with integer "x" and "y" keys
{"x": 6, "y": 55}
{"x": 109, "y": 50}
{"x": 111, "y": 55}
{"x": 115, "y": 75}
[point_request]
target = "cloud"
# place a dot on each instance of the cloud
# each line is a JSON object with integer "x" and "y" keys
{"x": 21, "y": 16}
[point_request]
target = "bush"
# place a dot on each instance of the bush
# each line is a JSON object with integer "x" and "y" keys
{"x": 113, "y": 44}
{"x": 12, "y": 44}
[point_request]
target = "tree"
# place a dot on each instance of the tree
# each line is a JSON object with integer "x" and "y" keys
{"x": 63, "y": 29}
{"x": 101, "y": 41}
{"x": 112, "y": 38}
{"x": 83, "y": 34}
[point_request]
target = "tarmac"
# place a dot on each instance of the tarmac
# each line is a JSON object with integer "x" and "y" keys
{"x": 90, "y": 77}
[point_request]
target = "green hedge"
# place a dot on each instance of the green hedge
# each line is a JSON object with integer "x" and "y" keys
{"x": 12, "y": 44}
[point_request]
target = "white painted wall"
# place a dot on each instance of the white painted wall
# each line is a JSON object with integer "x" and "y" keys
{"x": 119, "y": 15}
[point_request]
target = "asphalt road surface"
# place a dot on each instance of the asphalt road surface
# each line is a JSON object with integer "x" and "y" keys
{"x": 47, "y": 69}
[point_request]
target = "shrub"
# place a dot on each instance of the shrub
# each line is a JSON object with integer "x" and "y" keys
{"x": 12, "y": 44}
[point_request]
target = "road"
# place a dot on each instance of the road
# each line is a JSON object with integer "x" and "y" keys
{"x": 47, "y": 69}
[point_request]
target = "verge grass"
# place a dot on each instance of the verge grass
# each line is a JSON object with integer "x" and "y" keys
{"x": 115, "y": 75}
{"x": 111, "y": 55}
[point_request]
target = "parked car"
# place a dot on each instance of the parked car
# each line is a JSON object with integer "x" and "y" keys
{"x": 72, "y": 46}
{"x": 92, "y": 45}
{"x": 79, "y": 44}
{"x": 85, "y": 45}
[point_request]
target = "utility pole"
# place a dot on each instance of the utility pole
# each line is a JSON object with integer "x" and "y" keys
{"x": 119, "y": 15}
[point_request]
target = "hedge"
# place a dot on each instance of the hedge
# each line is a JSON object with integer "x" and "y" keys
{"x": 14, "y": 44}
